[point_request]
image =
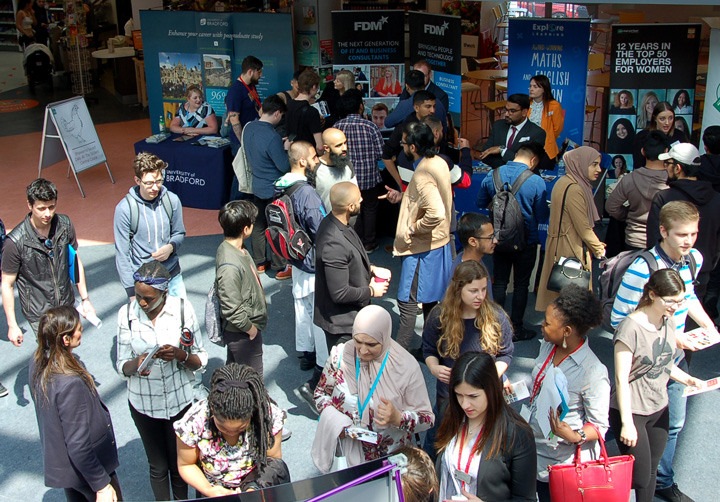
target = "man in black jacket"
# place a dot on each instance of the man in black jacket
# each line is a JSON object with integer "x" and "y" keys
{"x": 36, "y": 255}
{"x": 344, "y": 276}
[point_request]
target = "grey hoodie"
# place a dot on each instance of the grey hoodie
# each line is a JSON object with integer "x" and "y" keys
{"x": 153, "y": 232}
{"x": 631, "y": 201}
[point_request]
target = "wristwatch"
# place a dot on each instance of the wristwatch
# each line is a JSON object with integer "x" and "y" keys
{"x": 583, "y": 439}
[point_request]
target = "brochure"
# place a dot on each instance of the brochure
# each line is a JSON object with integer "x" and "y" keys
{"x": 519, "y": 392}
{"x": 712, "y": 384}
{"x": 157, "y": 138}
{"x": 148, "y": 361}
{"x": 701, "y": 339}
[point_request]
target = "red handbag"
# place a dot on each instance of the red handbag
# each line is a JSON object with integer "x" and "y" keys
{"x": 607, "y": 479}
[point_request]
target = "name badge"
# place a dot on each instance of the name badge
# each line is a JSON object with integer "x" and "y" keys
{"x": 361, "y": 434}
{"x": 463, "y": 476}
{"x": 550, "y": 113}
{"x": 525, "y": 138}
{"x": 525, "y": 413}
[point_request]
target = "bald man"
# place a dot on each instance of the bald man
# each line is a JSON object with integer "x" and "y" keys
{"x": 343, "y": 273}
{"x": 335, "y": 165}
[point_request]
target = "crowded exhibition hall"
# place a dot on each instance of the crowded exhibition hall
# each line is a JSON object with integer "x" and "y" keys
{"x": 359, "y": 250}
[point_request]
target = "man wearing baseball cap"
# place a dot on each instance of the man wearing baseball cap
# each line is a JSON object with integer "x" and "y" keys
{"x": 682, "y": 163}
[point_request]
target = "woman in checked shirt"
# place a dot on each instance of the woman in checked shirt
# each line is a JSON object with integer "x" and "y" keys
{"x": 162, "y": 392}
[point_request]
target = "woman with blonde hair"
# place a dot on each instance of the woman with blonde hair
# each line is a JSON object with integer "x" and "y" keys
{"x": 645, "y": 111}
{"x": 388, "y": 85}
{"x": 76, "y": 432}
{"x": 196, "y": 116}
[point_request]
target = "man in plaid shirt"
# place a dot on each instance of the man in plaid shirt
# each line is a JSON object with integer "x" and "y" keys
{"x": 365, "y": 145}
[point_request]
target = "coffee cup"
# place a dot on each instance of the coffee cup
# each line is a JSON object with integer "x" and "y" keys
{"x": 381, "y": 275}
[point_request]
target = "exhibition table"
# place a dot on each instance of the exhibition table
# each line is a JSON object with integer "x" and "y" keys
{"x": 200, "y": 175}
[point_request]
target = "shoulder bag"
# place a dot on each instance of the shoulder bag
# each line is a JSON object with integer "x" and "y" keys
{"x": 571, "y": 270}
{"x": 242, "y": 168}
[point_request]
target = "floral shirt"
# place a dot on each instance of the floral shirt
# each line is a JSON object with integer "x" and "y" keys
{"x": 222, "y": 463}
{"x": 332, "y": 390}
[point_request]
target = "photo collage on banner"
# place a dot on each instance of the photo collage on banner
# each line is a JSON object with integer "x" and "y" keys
{"x": 365, "y": 43}
{"x": 207, "y": 51}
{"x": 650, "y": 64}
{"x": 437, "y": 39}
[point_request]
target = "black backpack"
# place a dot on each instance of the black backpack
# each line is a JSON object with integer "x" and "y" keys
{"x": 286, "y": 237}
{"x": 506, "y": 214}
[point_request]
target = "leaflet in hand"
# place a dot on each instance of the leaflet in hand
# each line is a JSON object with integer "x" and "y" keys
{"x": 712, "y": 384}
{"x": 701, "y": 338}
{"x": 519, "y": 392}
{"x": 148, "y": 361}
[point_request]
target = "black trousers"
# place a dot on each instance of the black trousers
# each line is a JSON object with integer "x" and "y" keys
{"x": 366, "y": 224}
{"x": 333, "y": 339}
{"x": 242, "y": 350}
{"x": 652, "y": 431}
{"x": 408, "y": 313}
{"x": 258, "y": 239}
{"x": 86, "y": 494}
{"x": 158, "y": 438}
{"x": 522, "y": 263}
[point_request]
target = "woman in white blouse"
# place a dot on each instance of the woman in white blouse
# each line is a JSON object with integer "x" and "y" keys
{"x": 160, "y": 393}
{"x": 565, "y": 348}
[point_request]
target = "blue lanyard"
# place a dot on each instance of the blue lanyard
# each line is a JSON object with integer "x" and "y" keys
{"x": 361, "y": 407}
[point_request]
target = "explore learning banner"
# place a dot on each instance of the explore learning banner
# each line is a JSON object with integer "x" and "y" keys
{"x": 556, "y": 48}
{"x": 650, "y": 63}
{"x": 438, "y": 40}
{"x": 206, "y": 49}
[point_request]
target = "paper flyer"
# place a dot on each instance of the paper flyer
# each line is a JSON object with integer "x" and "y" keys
{"x": 519, "y": 392}
{"x": 701, "y": 339}
{"x": 712, "y": 384}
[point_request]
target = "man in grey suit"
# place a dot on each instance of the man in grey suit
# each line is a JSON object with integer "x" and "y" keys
{"x": 507, "y": 136}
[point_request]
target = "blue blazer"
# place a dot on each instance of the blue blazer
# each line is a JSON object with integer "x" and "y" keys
{"x": 76, "y": 434}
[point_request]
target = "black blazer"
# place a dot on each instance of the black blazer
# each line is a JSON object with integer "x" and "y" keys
{"x": 76, "y": 434}
{"x": 342, "y": 276}
{"x": 509, "y": 477}
{"x": 498, "y": 137}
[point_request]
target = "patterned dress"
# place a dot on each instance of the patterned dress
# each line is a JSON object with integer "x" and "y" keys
{"x": 222, "y": 463}
{"x": 332, "y": 390}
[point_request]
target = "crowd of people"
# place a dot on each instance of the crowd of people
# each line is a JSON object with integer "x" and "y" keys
{"x": 367, "y": 387}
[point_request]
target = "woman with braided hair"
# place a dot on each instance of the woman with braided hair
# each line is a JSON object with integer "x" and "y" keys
{"x": 78, "y": 442}
{"x": 230, "y": 442}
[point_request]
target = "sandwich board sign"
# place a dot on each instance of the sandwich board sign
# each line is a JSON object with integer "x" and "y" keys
{"x": 69, "y": 132}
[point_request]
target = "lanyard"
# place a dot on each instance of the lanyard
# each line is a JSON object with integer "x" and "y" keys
{"x": 470, "y": 456}
{"x": 541, "y": 376}
{"x": 253, "y": 92}
{"x": 361, "y": 407}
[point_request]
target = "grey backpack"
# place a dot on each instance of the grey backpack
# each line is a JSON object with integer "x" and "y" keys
{"x": 506, "y": 214}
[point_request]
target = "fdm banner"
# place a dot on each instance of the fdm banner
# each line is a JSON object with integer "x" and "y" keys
{"x": 370, "y": 44}
{"x": 711, "y": 112}
{"x": 438, "y": 40}
{"x": 206, "y": 49}
{"x": 650, "y": 63}
{"x": 556, "y": 48}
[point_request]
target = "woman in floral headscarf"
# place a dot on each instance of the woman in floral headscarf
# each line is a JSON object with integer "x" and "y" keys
{"x": 572, "y": 202}
{"x": 374, "y": 387}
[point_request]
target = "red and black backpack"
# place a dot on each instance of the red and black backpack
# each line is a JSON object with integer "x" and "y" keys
{"x": 285, "y": 235}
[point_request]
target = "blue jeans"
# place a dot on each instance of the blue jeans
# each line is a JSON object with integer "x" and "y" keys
{"x": 676, "y": 407}
{"x": 177, "y": 287}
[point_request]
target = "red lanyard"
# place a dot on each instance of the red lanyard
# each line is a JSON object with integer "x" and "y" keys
{"x": 252, "y": 92}
{"x": 541, "y": 376}
{"x": 460, "y": 450}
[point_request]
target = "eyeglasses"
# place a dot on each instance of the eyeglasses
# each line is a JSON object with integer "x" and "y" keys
{"x": 512, "y": 110}
{"x": 673, "y": 303}
{"x": 494, "y": 235}
{"x": 149, "y": 184}
{"x": 667, "y": 163}
{"x": 50, "y": 245}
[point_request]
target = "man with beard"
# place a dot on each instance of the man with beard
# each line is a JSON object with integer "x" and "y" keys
{"x": 345, "y": 278}
{"x": 335, "y": 165}
{"x": 682, "y": 163}
{"x": 242, "y": 100}
{"x": 507, "y": 136}
{"x": 424, "y": 105}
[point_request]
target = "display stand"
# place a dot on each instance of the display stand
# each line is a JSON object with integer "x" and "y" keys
{"x": 68, "y": 125}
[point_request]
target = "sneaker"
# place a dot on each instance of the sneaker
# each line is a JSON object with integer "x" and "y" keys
{"x": 284, "y": 274}
{"x": 522, "y": 334}
{"x": 286, "y": 432}
{"x": 3, "y": 391}
{"x": 305, "y": 393}
{"x": 371, "y": 248}
{"x": 262, "y": 267}
{"x": 672, "y": 493}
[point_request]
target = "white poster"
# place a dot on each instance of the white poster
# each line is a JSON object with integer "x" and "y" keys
{"x": 77, "y": 131}
{"x": 711, "y": 113}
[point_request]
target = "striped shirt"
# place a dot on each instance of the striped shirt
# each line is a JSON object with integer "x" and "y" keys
{"x": 631, "y": 287}
{"x": 169, "y": 386}
{"x": 365, "y": 145}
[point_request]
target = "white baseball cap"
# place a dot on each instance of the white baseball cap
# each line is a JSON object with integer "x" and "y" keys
{"x": 685, "y": 153}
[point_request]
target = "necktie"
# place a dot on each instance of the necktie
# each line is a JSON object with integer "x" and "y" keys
{"x": 512, "y": 137}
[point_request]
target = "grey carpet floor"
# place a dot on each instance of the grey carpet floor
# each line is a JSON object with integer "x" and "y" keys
{"x": 21, "y": 468}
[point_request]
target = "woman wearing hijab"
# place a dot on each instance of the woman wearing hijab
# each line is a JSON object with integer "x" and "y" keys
{"x": 622, "y": 137}
{"x": 373, "y": 386}
{"x": 572, "y": 202}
